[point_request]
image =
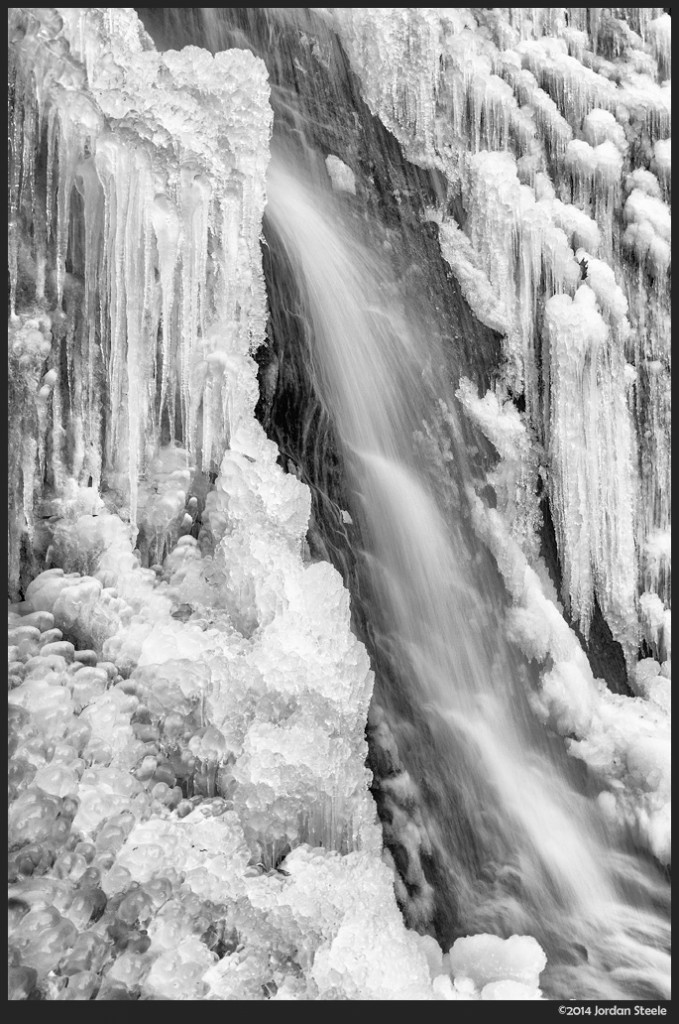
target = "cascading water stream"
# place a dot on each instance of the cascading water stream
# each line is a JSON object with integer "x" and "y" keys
{"x": 517, "y": 788}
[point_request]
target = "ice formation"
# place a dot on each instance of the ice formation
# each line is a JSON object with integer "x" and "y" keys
{"x": 165, "y": 156}
{"x": 342, "y": 177}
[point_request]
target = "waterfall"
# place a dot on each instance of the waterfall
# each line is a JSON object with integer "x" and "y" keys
{"x": 339, "y": 594}
{"x": 519, "y": 800}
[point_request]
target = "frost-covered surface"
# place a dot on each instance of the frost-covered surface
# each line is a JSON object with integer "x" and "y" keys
{"x": 190, "y": 815}
{"x": 552, "y": 127}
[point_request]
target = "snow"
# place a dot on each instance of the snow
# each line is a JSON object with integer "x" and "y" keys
{"x": 649, "y": 229}
{"x": 601, "y": 126}
{"x": 662, "y": 164}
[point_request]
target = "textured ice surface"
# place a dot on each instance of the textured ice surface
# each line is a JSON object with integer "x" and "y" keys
{"x": 273, "y": 724}
{"x": 167, "y": 154}
{"x": 485, "y": 959}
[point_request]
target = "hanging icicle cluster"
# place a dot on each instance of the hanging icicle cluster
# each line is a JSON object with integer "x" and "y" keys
{"x": 128, "y": 215}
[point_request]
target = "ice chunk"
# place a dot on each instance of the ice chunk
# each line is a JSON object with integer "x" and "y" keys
{"x": 487, "y": 958}
{"x": 342, "y": 177}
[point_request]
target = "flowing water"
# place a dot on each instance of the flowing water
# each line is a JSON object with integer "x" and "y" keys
{"x": 522, "y": 803}
{"x": 513, "y": 823}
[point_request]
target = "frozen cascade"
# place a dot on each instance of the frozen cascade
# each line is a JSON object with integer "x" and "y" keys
{"x": 228, "y": 670}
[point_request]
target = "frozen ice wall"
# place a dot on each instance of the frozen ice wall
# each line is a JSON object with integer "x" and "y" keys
{"x": 552, "y": 128}
{"x": 136, "y": 191}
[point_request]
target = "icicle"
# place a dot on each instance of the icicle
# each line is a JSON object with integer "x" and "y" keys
{"x": 113, "y": 168}
{"x": 575, "y": 89}
{"x": 590, "y": 456}
{"x": 553, "y": 130}
{"x": 520, "y": 244}
{"x": 139, "y": 345}
{"x": 648, "y": 232}
{"x": 195, "y": 201}
{"x": 165, "y": 221}
{"x": 67, "y": 157}
{"x": 662, "y": 166}
{"x": 595, "y": 176}
{"x": 16, "y": 124}
{"x": 660, "y": 35}
{"x": 57, "y": 440}
{"x": 89, "y": 186}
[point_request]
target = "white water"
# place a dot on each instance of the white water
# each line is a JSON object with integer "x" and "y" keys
{"x": 594, "y": 907}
